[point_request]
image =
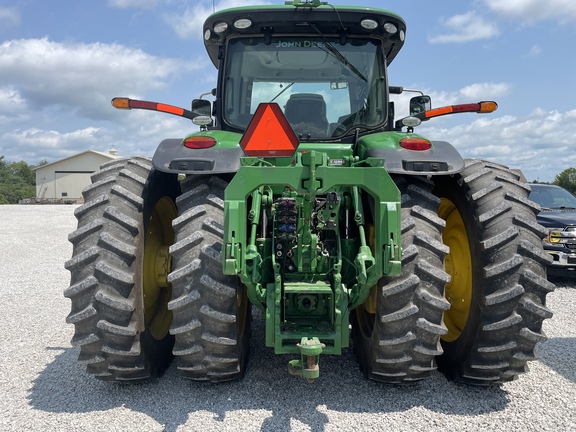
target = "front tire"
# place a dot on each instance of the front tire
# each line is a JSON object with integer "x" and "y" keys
{"x": 119, "y": 302}
{"x": 498, "y": 271}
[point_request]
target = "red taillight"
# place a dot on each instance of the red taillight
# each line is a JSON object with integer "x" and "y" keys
{"x": 199, "y": 142}
{"x": 412, "y": 143}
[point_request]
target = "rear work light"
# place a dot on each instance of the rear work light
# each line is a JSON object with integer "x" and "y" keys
{"x": 412, "y": 143}
{"x": 390, "y": 28}
{"x": 242, "y": 23}
{"x": 199, "y": 142}
{"x": 369, "y": 24}
{"x": 220, "y": 27}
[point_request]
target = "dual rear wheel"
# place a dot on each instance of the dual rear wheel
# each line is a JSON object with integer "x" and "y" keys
{"x": 484, "y": 258}
{"x": 498, "y": 282}
{"x": 146, "y": 279}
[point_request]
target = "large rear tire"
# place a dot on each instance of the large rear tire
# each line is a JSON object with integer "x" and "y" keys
{"x": 212, "y": 315}
{"x": 396, "y": 331}
{"x": 498, "y": 274}
{"x": 118, "y": 271}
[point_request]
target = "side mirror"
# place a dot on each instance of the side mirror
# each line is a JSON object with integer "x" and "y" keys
{"x": 419, "y": 104}
{"x": 202, "y": 107}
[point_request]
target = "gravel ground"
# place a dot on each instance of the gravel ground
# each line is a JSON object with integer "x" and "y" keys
{"x": 44, "y": 388}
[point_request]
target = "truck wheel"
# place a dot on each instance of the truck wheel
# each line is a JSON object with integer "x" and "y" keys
{"x": 498, "y": 270}
{"x": 212, "y": 315}
{"x": 396, "y": 331}
{"x": 119, "y": 267}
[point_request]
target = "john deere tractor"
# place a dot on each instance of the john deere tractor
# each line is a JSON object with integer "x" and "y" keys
{"x": 302, "y": 194}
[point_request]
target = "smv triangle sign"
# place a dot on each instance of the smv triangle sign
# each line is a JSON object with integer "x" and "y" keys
{"x": 269, "y": 134}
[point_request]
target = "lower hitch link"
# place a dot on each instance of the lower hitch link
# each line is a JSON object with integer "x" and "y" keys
{"x": 307, "y": 366}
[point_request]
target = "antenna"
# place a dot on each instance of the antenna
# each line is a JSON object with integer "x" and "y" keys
{"x": 213, "y": 6}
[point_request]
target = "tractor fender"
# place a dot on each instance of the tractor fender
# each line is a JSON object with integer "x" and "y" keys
{"x": 441, "y": 159}
{"x": 172, "y": 156}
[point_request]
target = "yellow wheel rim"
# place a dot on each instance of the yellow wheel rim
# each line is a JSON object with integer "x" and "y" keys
{"x": 157, "y": 292}
{"x": 458, "y": 264}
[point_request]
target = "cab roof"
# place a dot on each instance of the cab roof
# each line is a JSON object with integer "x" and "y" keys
{"x": 297, "y": 19}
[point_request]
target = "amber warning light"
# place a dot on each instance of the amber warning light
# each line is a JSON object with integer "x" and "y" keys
{"x": 269, "y": 134}
{"x": 125, "y": 103}
{"x": 480, "y": 108}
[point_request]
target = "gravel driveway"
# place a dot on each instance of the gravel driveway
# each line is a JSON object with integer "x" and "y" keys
{"x": 44, "y": 388}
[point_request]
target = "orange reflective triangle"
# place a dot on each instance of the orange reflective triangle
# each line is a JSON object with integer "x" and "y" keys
{"x": 269, "y": 134}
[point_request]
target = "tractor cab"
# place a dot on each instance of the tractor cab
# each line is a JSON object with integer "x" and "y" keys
{"x": 325, "y": 67}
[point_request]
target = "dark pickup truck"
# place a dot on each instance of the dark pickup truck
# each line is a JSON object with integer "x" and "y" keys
{"x": 558, "y": 215}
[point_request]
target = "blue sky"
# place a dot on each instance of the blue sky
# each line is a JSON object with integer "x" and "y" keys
{"x": 62, "y": 61}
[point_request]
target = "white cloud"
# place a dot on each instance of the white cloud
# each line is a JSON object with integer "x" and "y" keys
{"x": 483, "y": 91}
{"x": 69, "y": 86}
{"x": 146, "y": 130}
{"x": 540, "y": 144}
{"x": 531, "y": 11}
{"x": 469, "y": 94}
{"x": 82, "y": 77}
{"x": 13, "y": 108}
{"x": 188, "y": 24}
{"x": 463, "y": 28}
{"x": 11, "y": 102}
{"x": 535, "y": 51}
{"x": 9, "y": 17}
{"x": 472, "y": 93}
{"x": 34, "y": 144}
{"x": 139, "y": 133}
{"x": 136, "y": 4}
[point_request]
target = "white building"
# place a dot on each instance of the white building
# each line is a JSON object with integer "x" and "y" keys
{"x": 65, "y": 179}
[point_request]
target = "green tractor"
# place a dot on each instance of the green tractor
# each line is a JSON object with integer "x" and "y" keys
{"x": 302, "y": 195}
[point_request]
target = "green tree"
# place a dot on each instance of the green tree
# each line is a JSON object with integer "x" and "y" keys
{"x": 41, "y": 163}
{"x": 3, "y": 169}
{"x": 567, "y": 180}
{"x": 22, "y": 171}
{"x": 17, "y": 181}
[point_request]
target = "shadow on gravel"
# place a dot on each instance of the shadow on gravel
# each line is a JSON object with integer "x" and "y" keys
{"x": 64, "y": 387}
{"x": 563, "y": 281}
{"x": 559, "y": 354}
